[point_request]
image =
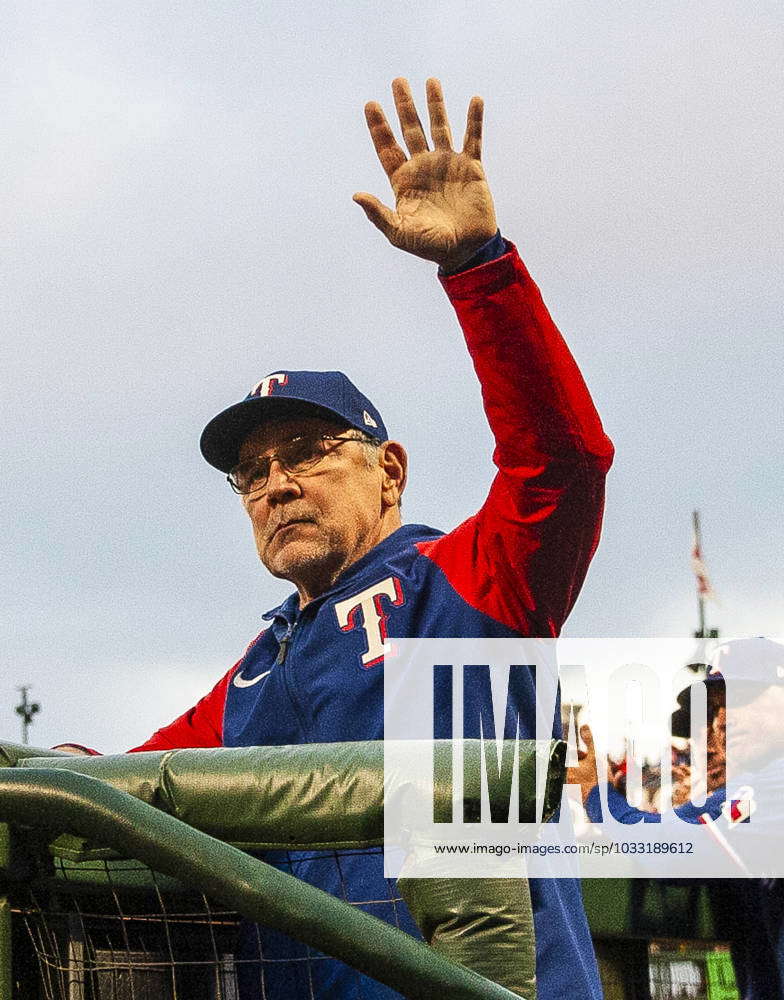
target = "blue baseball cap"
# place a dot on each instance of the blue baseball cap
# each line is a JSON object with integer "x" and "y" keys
{"x": 283, "y": 395}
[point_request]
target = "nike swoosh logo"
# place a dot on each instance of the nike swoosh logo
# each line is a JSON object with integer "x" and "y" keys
{"x": 243, "y": 682}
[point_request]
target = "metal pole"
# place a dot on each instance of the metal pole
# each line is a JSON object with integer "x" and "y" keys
{"x": 701, "y": 634}
{"x": 27, "y": 710}
{"x": 112, "y": 818}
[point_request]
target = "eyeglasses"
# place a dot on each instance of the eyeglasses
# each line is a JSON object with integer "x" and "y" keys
{"x": 296, "y": 456}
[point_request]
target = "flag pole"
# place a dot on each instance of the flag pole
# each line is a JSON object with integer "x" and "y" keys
{"x": 704, "y": 588}
{"x": 700, "y": 596}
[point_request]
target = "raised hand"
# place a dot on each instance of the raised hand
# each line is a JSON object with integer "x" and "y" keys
{"x": 443, "y": 206}
{"x": 584, "y": 773}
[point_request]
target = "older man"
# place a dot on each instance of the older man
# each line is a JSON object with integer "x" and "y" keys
{"x": 321, "y": 481}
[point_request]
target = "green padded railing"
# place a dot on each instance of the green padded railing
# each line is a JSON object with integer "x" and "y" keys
{"x": 318, "y": 796}
{"x": 251, "y": 887}
{"x": 314, "y": 796}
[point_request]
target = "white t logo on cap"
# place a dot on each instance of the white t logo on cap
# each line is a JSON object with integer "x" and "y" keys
{"x": 264, "y": 388}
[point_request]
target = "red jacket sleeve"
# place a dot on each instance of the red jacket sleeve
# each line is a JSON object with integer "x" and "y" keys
{"x": 200, "y": 726}
{"x": 523, "y": 557}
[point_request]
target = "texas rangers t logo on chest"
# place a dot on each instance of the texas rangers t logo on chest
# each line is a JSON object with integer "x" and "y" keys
{"x": 266, "y": 385}
{"x": 374, "y": 620}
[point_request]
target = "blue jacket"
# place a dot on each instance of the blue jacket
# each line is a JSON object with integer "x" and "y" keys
{"x": 512, "y": 569}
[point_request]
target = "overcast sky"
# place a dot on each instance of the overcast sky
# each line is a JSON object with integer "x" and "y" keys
{"x": 177, "y": 219}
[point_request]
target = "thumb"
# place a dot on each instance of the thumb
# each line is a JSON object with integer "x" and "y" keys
{"x": 383, "y": 218}
{"x": 587, "y": 737}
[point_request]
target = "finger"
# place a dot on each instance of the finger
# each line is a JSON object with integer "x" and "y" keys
{"x": 411, "y": 126}
{"x": 436, "y": 109}
{"x": 472, "y": 142}
{"x": 378, "y": 213}
{"x": 390, "y": 155}
{"x": 587, "y": 736}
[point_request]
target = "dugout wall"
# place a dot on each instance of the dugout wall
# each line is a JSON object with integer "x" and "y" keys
{"x": 95, "y": 849}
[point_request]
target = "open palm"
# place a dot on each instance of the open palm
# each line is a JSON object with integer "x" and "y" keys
{"x": 443, "y": 206}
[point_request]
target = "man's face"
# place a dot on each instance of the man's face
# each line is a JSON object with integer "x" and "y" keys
{"x": 310, "y": 526}
{"x": 716, "y": 746}
{"x": 754, "y": 729}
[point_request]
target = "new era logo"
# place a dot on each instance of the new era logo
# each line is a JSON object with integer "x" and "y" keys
{"x": 368, "y": 419}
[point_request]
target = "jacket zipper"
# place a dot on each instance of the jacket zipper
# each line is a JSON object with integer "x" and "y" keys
{"x": 284, "y": 644}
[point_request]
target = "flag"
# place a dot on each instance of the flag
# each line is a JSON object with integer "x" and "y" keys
{"x": 704, "y": 588}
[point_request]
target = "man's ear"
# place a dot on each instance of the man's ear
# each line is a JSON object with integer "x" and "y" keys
{"x": 394, "y": 465}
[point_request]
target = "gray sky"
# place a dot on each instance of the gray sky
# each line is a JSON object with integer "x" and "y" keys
{"x": 177, "y": 222}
